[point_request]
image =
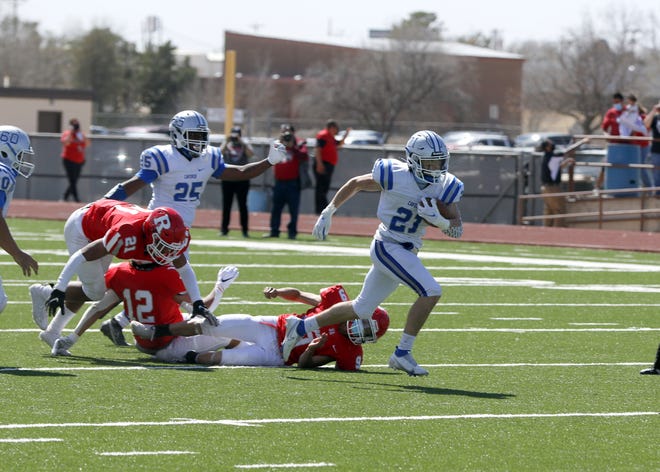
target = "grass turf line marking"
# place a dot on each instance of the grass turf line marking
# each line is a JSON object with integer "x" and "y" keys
{"x": 425, "y": 255}
{"x": 253, "y": 422}
{"x": 284, "y": 466}
{"x": 144, "y": 453}
{"x": 30, "y": 440}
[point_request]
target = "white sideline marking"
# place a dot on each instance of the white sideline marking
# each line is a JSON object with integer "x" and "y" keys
{"x": 225, "y": 367}
{"x": 29, "y": 440}
{"x": 144, "y": 453}
{"x": 517, "y": 319}
{"x": 188, "y": 422}
{"x": 284, "y": 466}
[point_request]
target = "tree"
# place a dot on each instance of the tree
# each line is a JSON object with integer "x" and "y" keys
{"x": 377, "y": 87}
{"x": 99, "y": 66}
{"x": 577, "y": 75}
{"x": 161, "y": 80}
{"x": 29, "y": 60}
{"x": 419, "y": 26}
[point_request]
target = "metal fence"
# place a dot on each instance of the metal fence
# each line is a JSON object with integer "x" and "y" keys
{"x": 493, "y": 180}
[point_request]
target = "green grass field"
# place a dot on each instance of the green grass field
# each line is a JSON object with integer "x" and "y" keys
{"x": 534, "y": 356}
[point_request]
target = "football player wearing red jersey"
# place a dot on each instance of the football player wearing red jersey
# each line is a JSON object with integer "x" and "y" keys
{"x": 153, "y": 294}
{"x": 260, "y": 336}
{"x": 96, "y": 233}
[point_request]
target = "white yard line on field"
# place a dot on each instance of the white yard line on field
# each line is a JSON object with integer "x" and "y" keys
{"x": 480, "y": 258}
{"x": 360, "y": 419}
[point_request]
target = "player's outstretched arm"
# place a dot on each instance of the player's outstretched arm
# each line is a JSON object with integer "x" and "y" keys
{"x": 25, "y": 261}
{"x": 293, "y": 294}
{"x": 361, "y": 183}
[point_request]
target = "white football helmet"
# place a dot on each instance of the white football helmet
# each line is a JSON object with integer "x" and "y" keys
{"x": 427, "y": 156}
{"x": 190, "y": 133}
{"x": 14, "y": 146}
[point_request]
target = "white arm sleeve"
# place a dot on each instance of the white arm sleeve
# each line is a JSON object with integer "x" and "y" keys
{"x": 189, "y": 279}
{"x": 70, "y": 269}
{"x": 217, "y": 296}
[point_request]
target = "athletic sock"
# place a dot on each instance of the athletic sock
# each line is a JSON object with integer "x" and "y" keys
{"x": 122, "y": 319}
{"x": 59, "y": 321}
{"x": 656, "y": 366}
{"x": 406, "y": 343}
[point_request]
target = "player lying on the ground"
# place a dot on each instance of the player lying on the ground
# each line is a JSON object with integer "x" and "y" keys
{"x": 260, "y": 336}
{"x": 154, "y": 294}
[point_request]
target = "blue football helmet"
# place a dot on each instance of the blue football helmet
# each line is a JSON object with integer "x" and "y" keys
{"x": 427, "y": 156}
{"x": 190, "y": 133}
{"x": 14, "y": 146}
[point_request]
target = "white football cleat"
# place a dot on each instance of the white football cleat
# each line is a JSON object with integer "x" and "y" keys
{"x": 39, "y": 311}
{"x": 61, "y": 347}
{"x": 291, "y": 336}
{"x": 408, "y": 364}
{"x": 142, "y": 330}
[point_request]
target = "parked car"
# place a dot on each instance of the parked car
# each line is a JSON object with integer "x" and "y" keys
{"x": 531, "y": 141}
{"x": 146, "y": 131}
{"x": 475, "y": 140}
{"x": 363, "y": 137}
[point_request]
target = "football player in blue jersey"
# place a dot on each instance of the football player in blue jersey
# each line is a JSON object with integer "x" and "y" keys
{"x": 413, "y": 195}
{"x": 178, "y": 173}
{"x": 14, "y": 149}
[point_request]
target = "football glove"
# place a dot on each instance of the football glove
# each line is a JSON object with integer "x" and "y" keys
{"x": 226, "y": 277}
{"x": 277, "y": 153}
{"x": 55, "y": 302}
{"x": 200, "y": 310}
{"x": 322, "y": 226}
{"x": 428, "y": 209}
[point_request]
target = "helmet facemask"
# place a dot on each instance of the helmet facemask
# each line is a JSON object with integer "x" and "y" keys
{"x": 362, "y": 331}
{"x": 22, "y": 166}
{"x": 429, "y": 169}
{"x": 162, "y": 252}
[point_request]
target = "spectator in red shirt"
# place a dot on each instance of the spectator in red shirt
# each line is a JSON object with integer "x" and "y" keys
{"x": 74, "y": 143}
{"x": 610, "y": 125}
{"x": 326, "y": 157}
{"x": 286, "y": 190}
{"x": 610, "y": 122}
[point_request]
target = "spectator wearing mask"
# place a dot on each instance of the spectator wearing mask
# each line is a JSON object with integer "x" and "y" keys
{"x": 237, "y": 152}
{"x": 287, "y": 188}
{"x": 326, "y": 157}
